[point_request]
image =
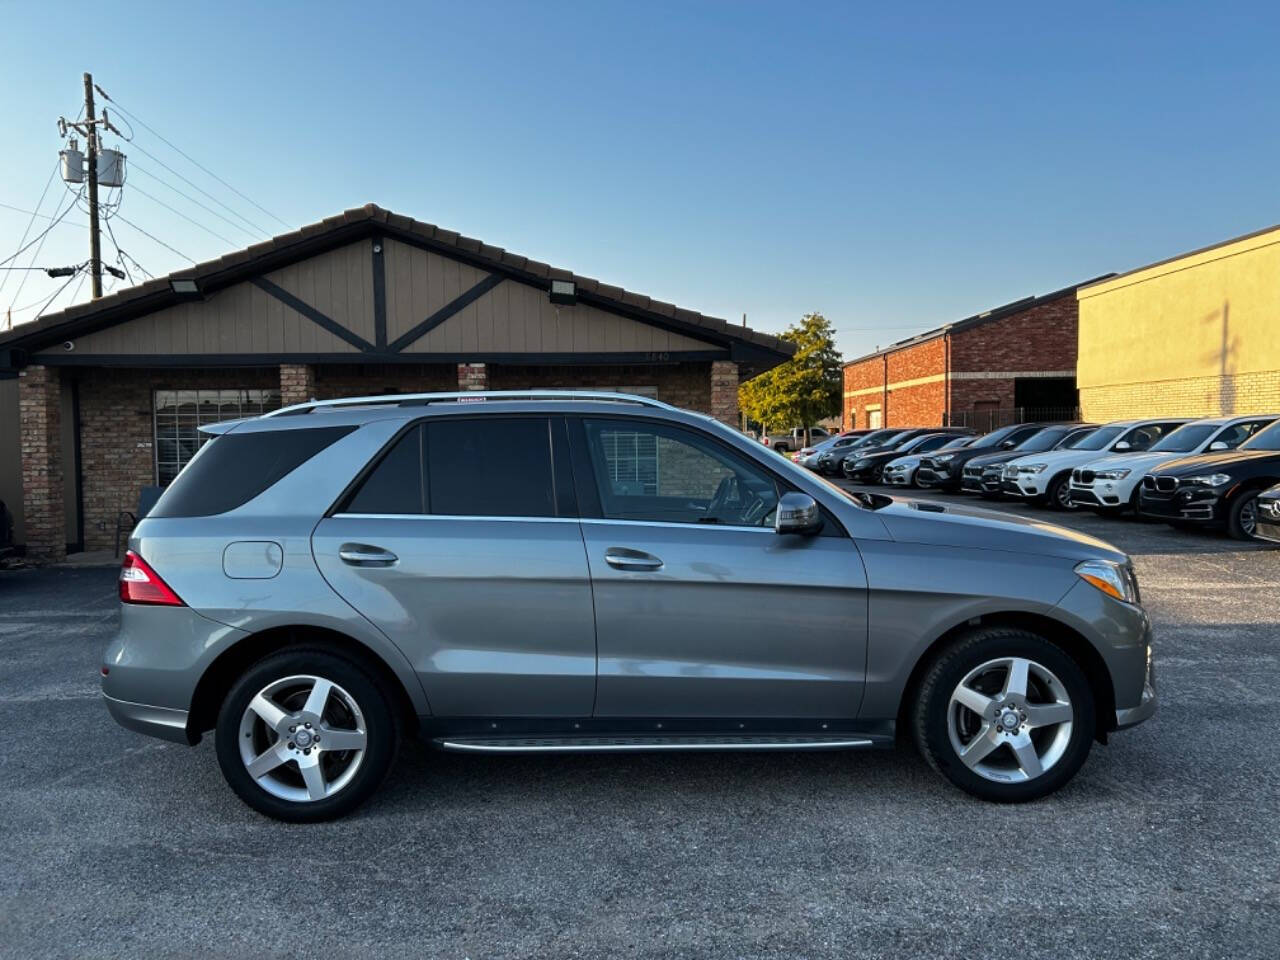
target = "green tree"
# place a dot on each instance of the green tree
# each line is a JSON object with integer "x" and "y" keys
{"x": 803, "y": 390}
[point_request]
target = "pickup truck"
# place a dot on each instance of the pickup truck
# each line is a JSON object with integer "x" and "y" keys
{"x": 793, "y": 440}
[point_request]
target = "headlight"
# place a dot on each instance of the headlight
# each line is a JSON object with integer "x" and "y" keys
{"x": 944, "y": 458}
{"x": 1112, "y": 474}
{"x": 1210, "y": 480}
{"x": 1032, "y": 467}
{"x": 1113, "y": 579}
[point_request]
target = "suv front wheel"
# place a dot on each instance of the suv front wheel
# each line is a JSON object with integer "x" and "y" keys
{"x": 1005, "y": 715}
{"x": 305, "y": 735}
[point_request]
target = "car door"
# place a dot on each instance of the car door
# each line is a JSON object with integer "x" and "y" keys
{"x": 701, "y": 609}
{"x": 473, "y": 565}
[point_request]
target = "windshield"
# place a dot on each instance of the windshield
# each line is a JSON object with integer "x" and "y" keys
{"x": 1074, "y": 440}
{"x": 1268, "y": 439}
{"x": 1046, "y": 439}
{"x": 1100, "y": 439}
{"x": 996, "y": 437}
{"x": 1185, "y": 439}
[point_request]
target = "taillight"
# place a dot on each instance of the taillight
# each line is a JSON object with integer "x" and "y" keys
{"x": 140, "y": 584}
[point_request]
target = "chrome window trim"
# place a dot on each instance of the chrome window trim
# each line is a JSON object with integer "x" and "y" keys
{"x": 606, "y": 521}
{"x": 449, "y": 516}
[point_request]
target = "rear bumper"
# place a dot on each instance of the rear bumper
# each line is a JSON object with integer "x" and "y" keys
{"x": 163, "y": 722}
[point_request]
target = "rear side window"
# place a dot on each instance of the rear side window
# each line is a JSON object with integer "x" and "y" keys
{"x": 395, "y": 484}
{"x": 490, "y": 467}
{"x": 234, "y": 468}
{"x": 478, "y": 467}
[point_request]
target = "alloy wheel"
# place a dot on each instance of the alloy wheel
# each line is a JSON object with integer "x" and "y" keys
{"x": 1249, "y": 517}
{"x": 302, "y": 738}
{"x": 1009, "y": 720}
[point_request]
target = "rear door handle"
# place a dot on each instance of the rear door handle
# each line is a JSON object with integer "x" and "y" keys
{"x": 364, "y": 555}
{"x": 623, "y": 558}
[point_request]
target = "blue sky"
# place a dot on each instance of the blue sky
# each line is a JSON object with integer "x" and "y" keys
{"x": 892, "y": 168}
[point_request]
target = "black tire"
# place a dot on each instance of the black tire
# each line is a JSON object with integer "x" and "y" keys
{"x": 1242, "y": 515}
{"x": 381, "y": 728}
{"x": 931, "y": 713}
{"x": 1057, "y": 495}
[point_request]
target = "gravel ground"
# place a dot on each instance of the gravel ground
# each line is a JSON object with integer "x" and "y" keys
{"x": 1167, "y": 844}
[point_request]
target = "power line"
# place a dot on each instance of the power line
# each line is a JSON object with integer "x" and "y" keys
{"x": 145, "y": 125}
{"x": 120, "y": 253}
{"x": 34, "y": 213}
{"x": 134, "y": 168}
{"x": 43, "y": 234}
{"x": 57, "y": 293}
{"x": 124, "y": 219}
{"x": 146, "y": 152}
{"x": 184, "y": 216}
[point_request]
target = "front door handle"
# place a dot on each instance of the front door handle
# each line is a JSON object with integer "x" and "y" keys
{"x": 622, "y": 558}
{"x": 364, "y": 555}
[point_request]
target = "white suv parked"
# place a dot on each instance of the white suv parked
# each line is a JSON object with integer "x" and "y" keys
{"x": 1112, "y": 483}
{"x": 1046, "y": 477}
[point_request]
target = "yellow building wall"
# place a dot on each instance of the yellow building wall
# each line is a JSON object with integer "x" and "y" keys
{"x": 1195, "y": 336}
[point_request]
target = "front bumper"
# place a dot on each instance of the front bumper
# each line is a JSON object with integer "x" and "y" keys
{"x": 935, "y": 477}
{"x": 1191, "y": 505}
{"x": 1127, "y": 717}
{"x": 163, "y": 722}
{"x": 898, "y": 479}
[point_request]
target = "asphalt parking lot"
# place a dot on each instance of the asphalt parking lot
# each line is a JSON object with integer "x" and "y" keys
{"x": 1166, "y": 845}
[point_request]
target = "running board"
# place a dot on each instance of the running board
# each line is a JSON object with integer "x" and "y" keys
{"x": 636, "y": 744}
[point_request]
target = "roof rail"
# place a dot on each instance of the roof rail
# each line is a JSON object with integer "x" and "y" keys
{"x": 467, "y": 396}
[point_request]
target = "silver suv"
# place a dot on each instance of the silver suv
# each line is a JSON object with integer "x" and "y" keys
{"x": 322, "y": 580}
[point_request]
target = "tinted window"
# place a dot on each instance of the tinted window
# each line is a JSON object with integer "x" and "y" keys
{"x": 1238, "y": 433}
{"x": 1268, "y": 439}
{"x": 232, "y": 469}
{"x": 1099, "y": 439}
{"x": 1046, "y": 439}
{"x": 1185, "y": 439}
{"x": 658, "y": 473}
{"x": 490, "y": 467}
{"x": 1141, "y": 438}
{"x": 395, "y": 484}
{"x": 995, "y": 437}
{"x": 1076, "y": 439}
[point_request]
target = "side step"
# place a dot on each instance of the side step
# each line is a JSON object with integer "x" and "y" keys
{"x": 636, "y": 744}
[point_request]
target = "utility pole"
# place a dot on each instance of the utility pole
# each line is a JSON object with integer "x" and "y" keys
{"x": 95, "y": 239}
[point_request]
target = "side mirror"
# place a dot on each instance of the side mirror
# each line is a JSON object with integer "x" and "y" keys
{"x": 797, "y": 513}
{"x": 1218, "y": 445}
{"x": 1008, "y": 445}
{"x": 1122, "y": 446}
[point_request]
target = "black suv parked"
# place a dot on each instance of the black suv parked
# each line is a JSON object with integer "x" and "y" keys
{"x": 944, "y": 470}
{"x": 985, "y": 474}
{"x": 868, "y": 466}
{"x": 1269, "y": 515}
{"x": 830, "y": 460}
{"x": 1216, "y": 489}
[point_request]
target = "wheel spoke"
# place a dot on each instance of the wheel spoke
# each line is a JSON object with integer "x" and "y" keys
{"x": 312, "y": 776}
{"x": 1046, "y": 714}
{"x": 1016, "y": 682}
{"x": 271, "y": 715}
{"x": 268, "y": 760}
{"x": 977, "y": 702}
{"x": 977, "y": 749}
{"x": 318, "y": 697}
{"x": 1028, "y": 759}
{"x": 335, "y": 738}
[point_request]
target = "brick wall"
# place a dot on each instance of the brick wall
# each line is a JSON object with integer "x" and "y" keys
{"x": 297, "y": 383}
{"x": 724, "y": 392}
{"x": 40, "y": 441}
{"x": 1226, "y": 395}
{"x": 686, "y": 385}
{"x": 337, "y": 380}
{"x": 117, "y": 456}
{"x": 1040, "y": 339}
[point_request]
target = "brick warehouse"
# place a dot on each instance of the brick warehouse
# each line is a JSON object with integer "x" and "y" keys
{"x": 1000, "y": 364}
{"x": 105, "y": 398}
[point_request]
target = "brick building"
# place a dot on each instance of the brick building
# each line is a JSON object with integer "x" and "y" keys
{"x": 105, "y": 398}
{"x": 1011, "y": 362}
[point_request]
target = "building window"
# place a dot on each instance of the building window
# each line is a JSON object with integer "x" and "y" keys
{"x": 632, "y": 457}
{"x": 180, "y": 413}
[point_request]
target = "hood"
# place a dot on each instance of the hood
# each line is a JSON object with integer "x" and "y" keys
{"x": 1062, "y": 458}
{"x": 1135, "y": 462}
{"x": 1223, "y": 458}
{"x": 1003, "y": 456}
{"x": 953, "y": 525}
{"x": 906, "y": 460}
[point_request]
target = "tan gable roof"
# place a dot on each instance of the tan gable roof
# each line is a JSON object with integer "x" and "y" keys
{"x": 372, "y": 220}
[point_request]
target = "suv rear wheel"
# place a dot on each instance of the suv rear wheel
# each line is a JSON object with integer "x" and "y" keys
{"x": 305, "y": 735}
{"x": 1005, "y": 715}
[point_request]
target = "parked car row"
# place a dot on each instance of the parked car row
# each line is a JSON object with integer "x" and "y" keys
{"x": 1221, "y": 472}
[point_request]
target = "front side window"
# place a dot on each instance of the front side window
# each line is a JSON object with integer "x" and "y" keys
{"x": 664, "y": 474}
{"x": 1141, "y": 438}
{"x": 1268, "y": 439}
{"x": 1238, "y": 433}
{"x": 179, "y": 414}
